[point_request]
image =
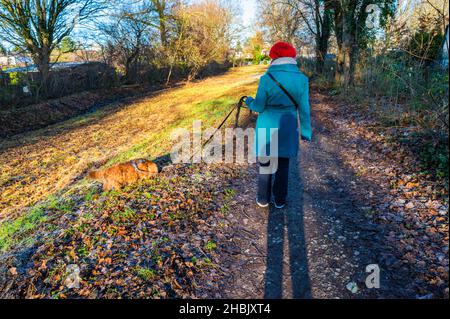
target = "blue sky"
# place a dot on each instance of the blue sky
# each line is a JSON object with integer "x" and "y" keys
{"x": 248, "y": 9}
{"x": 248, "y": 15}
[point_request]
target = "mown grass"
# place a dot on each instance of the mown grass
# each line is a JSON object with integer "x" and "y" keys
{"x": 139, "y": 130}
{"x": 209, "y": 112}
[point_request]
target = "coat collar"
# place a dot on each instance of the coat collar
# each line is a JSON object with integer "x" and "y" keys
{"x": 284, "y": 67}
{"x": 284, "y": 60}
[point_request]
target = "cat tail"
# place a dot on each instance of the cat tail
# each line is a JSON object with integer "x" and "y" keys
{"x": 96, "y": 174}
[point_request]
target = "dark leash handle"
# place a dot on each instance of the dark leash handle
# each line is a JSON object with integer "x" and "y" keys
{"x": 239, "y": 106}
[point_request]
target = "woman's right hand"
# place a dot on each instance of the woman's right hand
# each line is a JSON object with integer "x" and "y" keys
{"x": 249, "y": 100}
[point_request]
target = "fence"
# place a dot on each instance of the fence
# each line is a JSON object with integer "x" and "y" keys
{"x": 23, "y": 88}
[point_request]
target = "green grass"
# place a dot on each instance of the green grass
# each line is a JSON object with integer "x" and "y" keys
{"x": 230, "y": 193}
{"x": 210, "y": 245}
{"x": 24, "y": 224}
{"x": 83, "y": 252}
{"x": 206, "y": 262}
{"x": 224, "y": 209}
{"x": 201, "y": 263}
{"x": 210, "y": 112}
{"x": 90, "y": 194}
{"x": 136, "y": 151}
{"x": 213, "y": 108}
{"x": 146, "y": 274}
{"x": 123, "y": 216}
{"x": 64, "y": 204}
{"x": 13, "y": 232}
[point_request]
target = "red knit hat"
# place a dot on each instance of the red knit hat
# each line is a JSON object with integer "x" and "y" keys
{"x": 282, "y": 49}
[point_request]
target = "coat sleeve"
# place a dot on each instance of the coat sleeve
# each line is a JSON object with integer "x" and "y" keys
{"x": 259, "y": 103}
{"x": 304, "y": 112}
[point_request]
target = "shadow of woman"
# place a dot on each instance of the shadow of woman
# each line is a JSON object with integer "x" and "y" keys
{"x": 290, "y": 220}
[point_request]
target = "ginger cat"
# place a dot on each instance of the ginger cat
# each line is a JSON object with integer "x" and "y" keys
{"x": 124, "y": 174}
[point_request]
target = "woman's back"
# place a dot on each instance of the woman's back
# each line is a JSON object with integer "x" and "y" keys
{"x": 290, "y": 77}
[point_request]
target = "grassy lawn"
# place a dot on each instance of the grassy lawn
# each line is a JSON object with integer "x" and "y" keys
{"x": 40, "y": 170}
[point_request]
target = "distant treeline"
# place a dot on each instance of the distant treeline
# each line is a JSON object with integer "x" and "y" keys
{"x": 153, "y": 41}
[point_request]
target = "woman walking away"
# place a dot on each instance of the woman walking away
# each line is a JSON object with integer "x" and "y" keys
{"x": 282, "y": 92}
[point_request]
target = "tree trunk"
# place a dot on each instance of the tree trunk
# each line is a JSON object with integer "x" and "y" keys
{"x": 127, "y": 72}
{"x": 131, "y": 64}
{"x": 322, "y": 40}
{"x": 42, "y": 61}
{"x": 347, "y": 40}
{"x": 160, "y": 6}
{"x": 169, "y": 75}
{"x": 350, "y": 52}
{"x": 354, "y": 57}
{"x": 349, "y": 55}
{"x": 130, "y": 70}
{"x": 163, "y": 31}
{"x": 320, "y": 60}
{"x": 321, "y": 52}
{"x": 338, "y": 29}
{"x": 347, "y": 44}
{"x": 338, "y": 76}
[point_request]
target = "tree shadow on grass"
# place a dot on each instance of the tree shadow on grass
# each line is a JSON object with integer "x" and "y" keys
{"x": 289, "y": 219}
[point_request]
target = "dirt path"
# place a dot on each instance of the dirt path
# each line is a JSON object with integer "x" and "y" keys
{"x": 320, "y": 244}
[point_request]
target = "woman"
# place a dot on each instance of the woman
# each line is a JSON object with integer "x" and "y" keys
{"x": 282, "y": 92}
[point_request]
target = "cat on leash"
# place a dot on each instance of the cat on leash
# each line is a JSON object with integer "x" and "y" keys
{"x": 123, "y": 174}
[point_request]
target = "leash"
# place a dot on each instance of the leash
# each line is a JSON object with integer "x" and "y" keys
{"x": 238, "y": 107}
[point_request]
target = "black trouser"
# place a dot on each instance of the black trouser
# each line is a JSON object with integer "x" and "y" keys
{"x": 280, "y": 183}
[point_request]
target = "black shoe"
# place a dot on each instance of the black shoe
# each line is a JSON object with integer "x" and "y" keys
{"x": 262, "y": 203}
{"x": 279, "y": 205}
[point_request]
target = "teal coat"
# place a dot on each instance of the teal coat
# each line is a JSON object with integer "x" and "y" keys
{"x": 277, "y": 111}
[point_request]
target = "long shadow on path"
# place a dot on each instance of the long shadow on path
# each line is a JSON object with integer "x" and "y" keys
{"x": 281, "y": 221}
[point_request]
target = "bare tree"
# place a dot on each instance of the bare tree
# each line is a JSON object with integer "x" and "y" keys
{"x": 280, "y": 20}
{"x": 161, "y": 8}
{"x": 127, "y": 33}
{"x": 39, "y": 26}
{"x": 204, "y": 35}
{"x": 317, "y": 16}
{"x": 352, "y": 34}
{"x": 158, "y": 14}
{"x": 285, "y": 18}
